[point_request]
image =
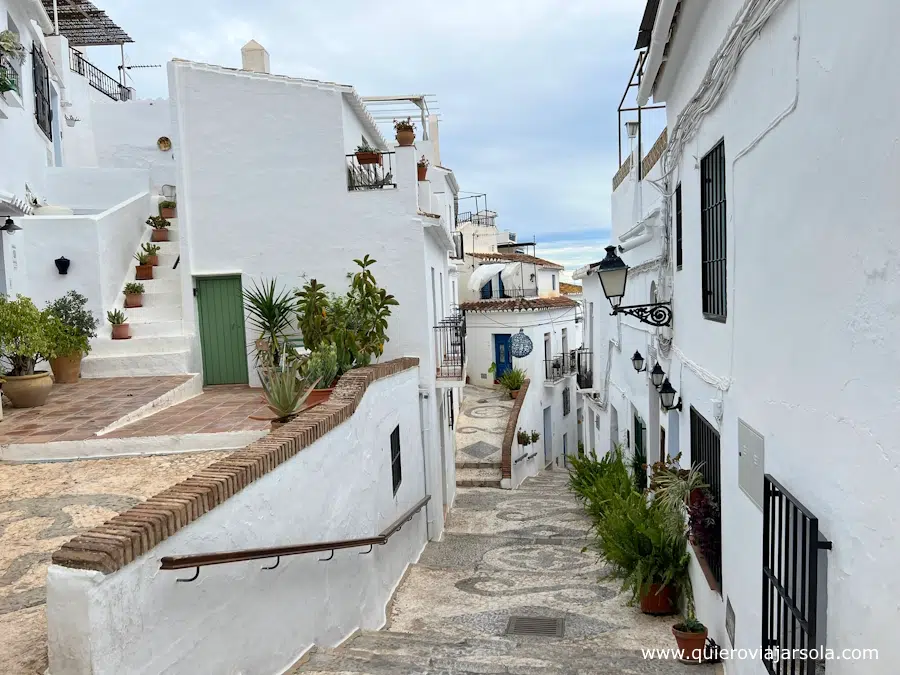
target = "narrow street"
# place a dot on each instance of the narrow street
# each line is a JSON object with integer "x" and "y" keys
{"x": 504, "y": 554}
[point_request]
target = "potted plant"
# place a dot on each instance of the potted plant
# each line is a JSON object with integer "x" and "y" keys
{"x": 152, "y": 251}
{"x": 24, "y": 341}
{"x": 6, "y": 83}
{"x": 120, "y": 328}
{"x": 512, "y": 380}
{"x": 11, "y": 46}
{"x": 524, "y": 438}
{"x": 167, "y": 209}
{"x": 160, "y": 228}
{"x": 406, "y": 132}
{"x": 422, "y": 168}
{"x": 366, "y": 154}
{"x": 690, "y": 635}
{"x": 535, "y": 437}
{"x": 322, "y": 368}
{"x": 143, "y": 271}
{"x": 269, "y": 313}
{"x": 285, "y": 389}
{"x": 134, "y": 294}
{"x": 71, "y": 328}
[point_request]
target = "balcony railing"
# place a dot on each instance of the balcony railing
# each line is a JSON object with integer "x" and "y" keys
{"x": 584, "y": 364}
{"x": 494, "y": 293}
{"x": 8, "y": 71}
{"x": 559, "y": 366}
{"x": 479, "y": 219}
{"x": 96, "y": 77}
{"x": 370, "y": 171}
{"x": 450, "y": 347}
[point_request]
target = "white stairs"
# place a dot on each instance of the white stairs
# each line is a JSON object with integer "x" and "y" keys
{"x": 158, "y": 345}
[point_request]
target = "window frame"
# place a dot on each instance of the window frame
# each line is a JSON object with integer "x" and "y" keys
{"x": 396, "y": 462}
{"x": 679, "y": 229}
{"x": 714, "y": 234}
{"x": 43, "y": 106}
{"x": 703, "y": 437}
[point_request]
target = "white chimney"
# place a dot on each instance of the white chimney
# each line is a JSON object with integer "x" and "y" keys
{"x": 254, "y": 57}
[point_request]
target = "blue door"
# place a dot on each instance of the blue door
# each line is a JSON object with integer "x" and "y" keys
{"x": 502, "y": 357}
{"x": 487, "y": 291}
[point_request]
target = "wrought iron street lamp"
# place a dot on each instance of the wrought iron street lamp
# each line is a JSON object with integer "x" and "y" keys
{"x": 10, "y": 226}
{"x": 613, "y": 274}
{"x": 667, "y": 396}
{"x": 638, "y": 362}
{"x": 657, "y": 375}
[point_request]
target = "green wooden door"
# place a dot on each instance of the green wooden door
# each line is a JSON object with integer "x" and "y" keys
{"x": 220, "y": 307}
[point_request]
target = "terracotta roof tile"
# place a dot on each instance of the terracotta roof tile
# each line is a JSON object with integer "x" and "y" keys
{"x": 517, "y": 257}
{"x": 569, "y": 289}
{"x": 518, "y": 304}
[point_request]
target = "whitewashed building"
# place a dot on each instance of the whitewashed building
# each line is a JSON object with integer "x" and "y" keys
{"x": 763, "y": 218}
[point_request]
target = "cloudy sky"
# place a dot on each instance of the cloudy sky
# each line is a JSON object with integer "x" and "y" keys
{"x": 527, "y": 89}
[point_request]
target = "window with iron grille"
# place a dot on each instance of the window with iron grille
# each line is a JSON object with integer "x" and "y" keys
{"x": 678, "y": 230}
{"x": 567, "y": 401}
{"x": 712, "y": 233}
{"x": 43, "y": 113}
{"x": 706, "y": 522}
{"x": 396, "y": 474}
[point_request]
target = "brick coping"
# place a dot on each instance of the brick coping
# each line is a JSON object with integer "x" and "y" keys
{"x": 124, "y": 538}
{"x": 510, "y": 435}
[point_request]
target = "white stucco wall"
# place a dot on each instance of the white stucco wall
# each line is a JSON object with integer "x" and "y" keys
{"x": 237, "y": 617}
{"x": 93, "y": 188}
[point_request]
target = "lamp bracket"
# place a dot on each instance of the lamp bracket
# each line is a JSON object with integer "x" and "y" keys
{"x": 653, "y": 314}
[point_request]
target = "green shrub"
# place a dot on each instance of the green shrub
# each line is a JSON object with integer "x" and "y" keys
{"x": 72, "y": 310}
{"x": 639, "y": 469}
{"x": 24, "y": 338}
{"x": 513, "y": 379}
{"x": 322, "y": 366}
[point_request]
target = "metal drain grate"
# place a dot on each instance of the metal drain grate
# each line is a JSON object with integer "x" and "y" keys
{"x": 541, "y": 626}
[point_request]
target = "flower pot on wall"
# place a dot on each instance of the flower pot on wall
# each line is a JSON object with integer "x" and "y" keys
{"x": 514, "y": 393}
{"x": 369, "y": 157}
{"x": 134, "y": 300}
{"x": 27, "y": 391}
{"x": 690, "y": 644}
{"x": 121, "y": 331}
{"x": 168, "y": 212}
{"x": 143, "y": 272}
{"x": 161, "y": 234}
{"x": 658, "y": 600}
{"x": 406, "y": 138}
{"x": 422, "y": 171}
{"x": 317, "y": 396}
{"x": 66, "y": 369}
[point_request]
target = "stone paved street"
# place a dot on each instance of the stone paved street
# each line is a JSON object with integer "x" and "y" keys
{"x": 481, "y": 425}
{"x": 508, "y": 553}
{"x": 44, "y": 505}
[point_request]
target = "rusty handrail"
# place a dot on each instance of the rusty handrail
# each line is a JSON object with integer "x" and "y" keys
{"x": 199, "y": 560}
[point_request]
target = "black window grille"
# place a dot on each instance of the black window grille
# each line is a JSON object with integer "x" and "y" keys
{"x": 450, "y": 417}
{"x": 706, "y": 458}
{"x": 790, "y": 593}
{"x": 679, "y": 258}
{"x": 567, "y": 401}
{"x": 43, "y": 112}
{"x": 640, "y": 453}
{"x": 396, "y": 473}
{"x": 712, "y": 235}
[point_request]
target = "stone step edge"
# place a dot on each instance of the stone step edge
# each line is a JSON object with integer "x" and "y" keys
{"x": 478, "y": 465}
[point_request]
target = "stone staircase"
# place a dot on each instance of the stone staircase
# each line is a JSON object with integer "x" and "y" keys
{"x": 158, "y": 345}
{"x": 478, "y": 474}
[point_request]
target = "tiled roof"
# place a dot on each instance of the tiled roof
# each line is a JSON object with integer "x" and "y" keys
{"x": 569, "y": 289}
{"x": 518, "y": 304}
{"x": 517, "y": 257}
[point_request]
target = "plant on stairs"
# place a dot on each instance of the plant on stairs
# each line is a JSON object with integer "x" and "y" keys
{"x": 71, "y": 327}
{"x": 24, "y": 341}
{"x": 167, "y": 209}
{"x": 152, "y": 251}
{"x": 160, "y": 228}
{"x": 120, "y": 328}
{"x": 134, "y": 294}
{"x": 143, "y": 271}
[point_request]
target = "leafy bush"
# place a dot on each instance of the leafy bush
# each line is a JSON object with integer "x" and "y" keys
{"x": 639, "y": 469}
{"x": 24, "y": 338}
{"x": 704, "y": 523}
{"x": 512, "y": 379}
{"x": 12, "y": 46}
{"x": 312, "y": 314}
{"x": 535, "y": 437}
{"x": 64, "y": 341}
{"x": 158, "y": 222}
{"x": 167, "y": 204}
{"x": 614, "y": 481}
{"x": 322, "y": 366}
{"x": 524, "y": 438}
{"x": 404, "y": 125}
{"x": 72, "y": 310}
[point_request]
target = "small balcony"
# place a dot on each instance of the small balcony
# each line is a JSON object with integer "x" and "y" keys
{"x": 97, "y": 78}
{"x": 370, "y": 171}
{"x": 492, "y": 292}
{"x": 559, "y": 367}
{"x": 584, "y": 366}
{"x": 479, "y": 219}
{"x": 450, "y": 349}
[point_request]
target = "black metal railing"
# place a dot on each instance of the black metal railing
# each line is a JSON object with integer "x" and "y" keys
{"x": 459, "y": 251}
{"x": 179, "y": 562}
{"x": 559, "y": 366}
{"x": 8, "y": 71}
{"x": 97, "y": 78}
{"x": 43, "y": 111}
{"x": 450, "y": 347}
{"x": 584, "y": 365}
{"x": 370, "y": 171}
{"x": 706, "y": 458}
{"x": 492, "y": 292}
{"x": 790, "y": 590}
{"x": 480, "y": 219}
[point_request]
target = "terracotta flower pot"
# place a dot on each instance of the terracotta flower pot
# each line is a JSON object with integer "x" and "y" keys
{"x": 317, "y": 396}
{"x": 133, "y": 300}
{"x": 27, "y": 391}
{"x": 690, "y": 644}
{"x": 369, "y": 157}
{"x": 143, "y": 272}
{"x": 161, "y": 234}
{"x": 422, "y": 171}
{"x": 514, "y": 393}
{"x": 121, "y": 332}
{"x": 153, "y": 260}
{"x": 406, "y": 138}
{"x": 168, "y": 213}
{"x": 66, "y": 369}
{"x": 659, "y": 600}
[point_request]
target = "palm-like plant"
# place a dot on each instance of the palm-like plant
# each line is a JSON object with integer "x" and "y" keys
{"x": 269, "y": 313}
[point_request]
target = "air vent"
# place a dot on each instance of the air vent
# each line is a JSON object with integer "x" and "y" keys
{"x": 537, "y": 626}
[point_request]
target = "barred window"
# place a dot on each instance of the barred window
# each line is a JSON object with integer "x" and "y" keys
{"x": 712, "y": 233}
{"x": 396, "y": 474}
{"x": 679, "y": 258}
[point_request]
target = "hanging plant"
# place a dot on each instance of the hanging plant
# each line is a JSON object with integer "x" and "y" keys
{"x": 12, "y": 46}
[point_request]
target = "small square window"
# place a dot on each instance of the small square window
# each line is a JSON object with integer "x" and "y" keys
{"x": 395, "y": 459}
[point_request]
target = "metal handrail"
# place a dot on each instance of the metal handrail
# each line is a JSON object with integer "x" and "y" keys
{"x": 199, "y": 560}
{"x": 96, "y": 77}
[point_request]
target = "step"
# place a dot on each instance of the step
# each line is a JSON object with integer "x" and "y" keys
{"x": 153, "y": 328}
{"x": 153, "y": 312}
{"x": 136, "y": 364}
{"x": 168, "y": 284}
{"x": 477, "y": 465}
{"x": 478, "y": 477}
{"x": 106, "y": 346}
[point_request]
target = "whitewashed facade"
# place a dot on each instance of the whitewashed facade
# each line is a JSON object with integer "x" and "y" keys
{"x": 792, "y": 364}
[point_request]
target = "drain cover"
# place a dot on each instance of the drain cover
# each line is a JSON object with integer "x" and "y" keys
{"x": 542, "y": 626}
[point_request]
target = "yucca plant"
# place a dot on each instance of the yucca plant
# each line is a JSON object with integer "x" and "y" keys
{"x": 269, "y": 312}
{"x": 286, "y": 390}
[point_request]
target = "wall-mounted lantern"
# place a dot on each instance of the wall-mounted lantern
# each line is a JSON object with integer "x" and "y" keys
{"x": 613, "y": 274}
{"x": 10, "y": 226}
{"x": 657, "y": 375}
{"x": 638, "y": 362}
{"x": 667, "y": 396}
{"x": 62, "y": 264}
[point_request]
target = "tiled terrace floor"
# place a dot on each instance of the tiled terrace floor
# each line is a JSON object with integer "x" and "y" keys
{"x": 216, "y": 410}
{"x": 44, "y": 505}
{"x": 75, "y": 412}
